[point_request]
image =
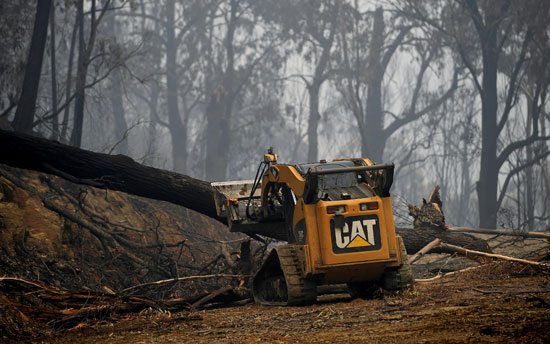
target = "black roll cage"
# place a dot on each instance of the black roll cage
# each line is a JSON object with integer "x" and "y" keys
{"x": 382, "y": 187}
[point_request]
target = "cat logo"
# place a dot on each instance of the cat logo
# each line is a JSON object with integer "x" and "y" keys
{"x": 355, "y": 234}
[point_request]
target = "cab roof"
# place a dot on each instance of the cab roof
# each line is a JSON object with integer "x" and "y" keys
{"x": 304, "y": 168}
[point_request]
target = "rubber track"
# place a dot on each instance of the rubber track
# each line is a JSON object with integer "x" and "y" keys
{"x": 301, "y": 291}
{"x": 400, "y": 278}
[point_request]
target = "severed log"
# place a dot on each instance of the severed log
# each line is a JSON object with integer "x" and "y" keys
{"x": 115, "y": 172}
{"x": 438, "y": 276}
{"x": 417, "y": 238}
{"x": 508, "y": 232}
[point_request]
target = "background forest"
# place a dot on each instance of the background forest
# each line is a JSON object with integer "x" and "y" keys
{"x": 453, "y": 92}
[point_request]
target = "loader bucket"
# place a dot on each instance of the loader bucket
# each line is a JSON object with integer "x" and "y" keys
{"x": 238, "y": 191}
{"x": 232, "y": 199}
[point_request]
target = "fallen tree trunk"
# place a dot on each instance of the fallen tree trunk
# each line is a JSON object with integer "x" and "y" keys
{"x": 115, "y": 172}
{"x": 417, "y": 238}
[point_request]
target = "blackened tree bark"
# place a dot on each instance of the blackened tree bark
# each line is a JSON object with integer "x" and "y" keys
{"x": 81, "y": 71}
{"x": 529, "y": 192}
{"x": 55, "y": 122}
{"x": 217, "y": 135}
{"x": 68, "y": 83}
{"x": 116, "y": 172}
{"x": 487, "y": 186}
{"x": 24, "y": 114}
{"x": 84, "y": 54}
{"x": 429, "y": 223}
{"x": 372, "y": 135}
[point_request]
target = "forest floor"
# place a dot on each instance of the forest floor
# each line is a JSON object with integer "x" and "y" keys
{"x": 59, "y": 240}
{"x": 495, "y": 303}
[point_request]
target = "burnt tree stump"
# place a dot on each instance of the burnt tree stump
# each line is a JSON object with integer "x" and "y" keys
{"x": 429, "y": 223}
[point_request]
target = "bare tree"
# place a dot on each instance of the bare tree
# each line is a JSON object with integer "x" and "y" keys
{"x": 24, "y": 114}
{"x": 53, "y": 67}
{"x": 84, "y": 58}
{"x": 230, "y": 67}
{"x": 497, "y": 26}
{"x": 312, "y": 27}
{"x": 361, "y": 82}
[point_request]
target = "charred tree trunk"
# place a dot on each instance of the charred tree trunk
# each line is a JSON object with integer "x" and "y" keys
{"x": 82, "y": 70}
{"x": 488, "y": 172}
{"x": 55, "y": 122}
{"x": 68, "y": 84}
{"x": 24, "y": 115}
{"x": 116, "y": 172}
{"x": 373, "y": 141}
{"x": 84, "y": 60}
{"x": 529, "y": 192}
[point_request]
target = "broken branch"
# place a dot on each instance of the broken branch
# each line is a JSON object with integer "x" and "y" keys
{"x": 211, "y": 296}
{"x": 431, "y": 279}
{"x": 424, "y": 250}
{"x": 465, "y": 252}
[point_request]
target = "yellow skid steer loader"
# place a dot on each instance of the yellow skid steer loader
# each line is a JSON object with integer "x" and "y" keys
{"x": 336, "y": 218}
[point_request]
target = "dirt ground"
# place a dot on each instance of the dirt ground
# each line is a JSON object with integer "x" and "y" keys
{"x": 485, "y": 305}
{"x": 134, "y": 243}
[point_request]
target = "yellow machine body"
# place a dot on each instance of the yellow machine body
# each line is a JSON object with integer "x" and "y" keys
{"x": 336, "y": 217}
{"x": 319, "y": 257}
